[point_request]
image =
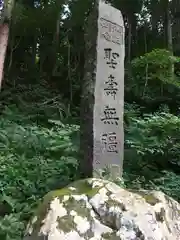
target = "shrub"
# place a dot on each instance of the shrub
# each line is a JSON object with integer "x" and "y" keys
{"x": 152, "y": 153}
{"x": 34, "y": 160}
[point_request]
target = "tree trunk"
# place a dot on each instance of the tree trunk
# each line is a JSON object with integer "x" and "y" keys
{"x": 4, "y": 34}
{"x": 176, "y": 26}
{"x": 168, "y": 31}
{"x": 154, "y": 8}
{"x": 56, "y": 45}
{"x": 129, "y": 48}
{"x": 169, "y": 39}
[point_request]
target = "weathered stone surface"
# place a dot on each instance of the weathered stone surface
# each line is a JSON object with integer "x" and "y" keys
{"x": 102, "y": 100}
{"x": 108, "y": 126}
{"x": 97, "y": 209}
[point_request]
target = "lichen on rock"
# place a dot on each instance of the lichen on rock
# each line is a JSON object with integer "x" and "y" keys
{"x": 96, "y": 209}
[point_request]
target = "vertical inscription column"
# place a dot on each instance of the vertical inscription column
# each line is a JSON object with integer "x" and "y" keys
{"x": 108, "y": 147}
{"x": 102, "y": 100}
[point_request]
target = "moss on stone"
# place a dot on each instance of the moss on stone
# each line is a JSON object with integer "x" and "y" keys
{"x": 80, "y": 187}
{"x": 110, "y": 236}
{"x": 75, "y": 198}
{"x": 149, "y": 197}
{"x": 82, "y": 210}
{"x": 57, "y": 193}
{"x": 80, "y": 207}
{"x": 40, "y": 215}
{"x": 66, "y": 223}
{"x": 111, "y": 202}
{"x": 84, "y": 187}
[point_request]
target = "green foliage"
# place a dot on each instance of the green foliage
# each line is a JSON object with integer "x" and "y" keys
{"x": 156, "y": 136}
{"x": 154, "y": 66}
{"x": 37, "y": 158}
{"x": 166, "y": 181}
{"x": 35, "y": 102}
{"x": 154, "y": 75}
{"x": 38, "y": 145}
{"x": 34, "y": 160}
{"x": 152, "y": 153}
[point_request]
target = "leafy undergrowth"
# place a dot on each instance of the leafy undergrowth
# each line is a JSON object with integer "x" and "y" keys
{"x": 152, "y": 152}
{"x": 33, "y": 160}
{"x": 165, "y": 181}
{"x": 39, "y": 156}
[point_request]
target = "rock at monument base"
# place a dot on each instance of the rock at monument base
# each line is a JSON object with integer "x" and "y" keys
{"x": 97, "y": 209}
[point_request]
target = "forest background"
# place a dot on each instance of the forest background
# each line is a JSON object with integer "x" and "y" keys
{"x": 40, "y": 101}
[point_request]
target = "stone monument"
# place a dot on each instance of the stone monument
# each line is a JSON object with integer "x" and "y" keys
{"x": 102, "y": 132}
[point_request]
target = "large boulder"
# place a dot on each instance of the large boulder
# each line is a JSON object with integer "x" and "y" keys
{"x": 97, "y": 209}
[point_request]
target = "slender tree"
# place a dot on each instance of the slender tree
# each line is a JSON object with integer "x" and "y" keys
{"x": 4, "y": 32}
